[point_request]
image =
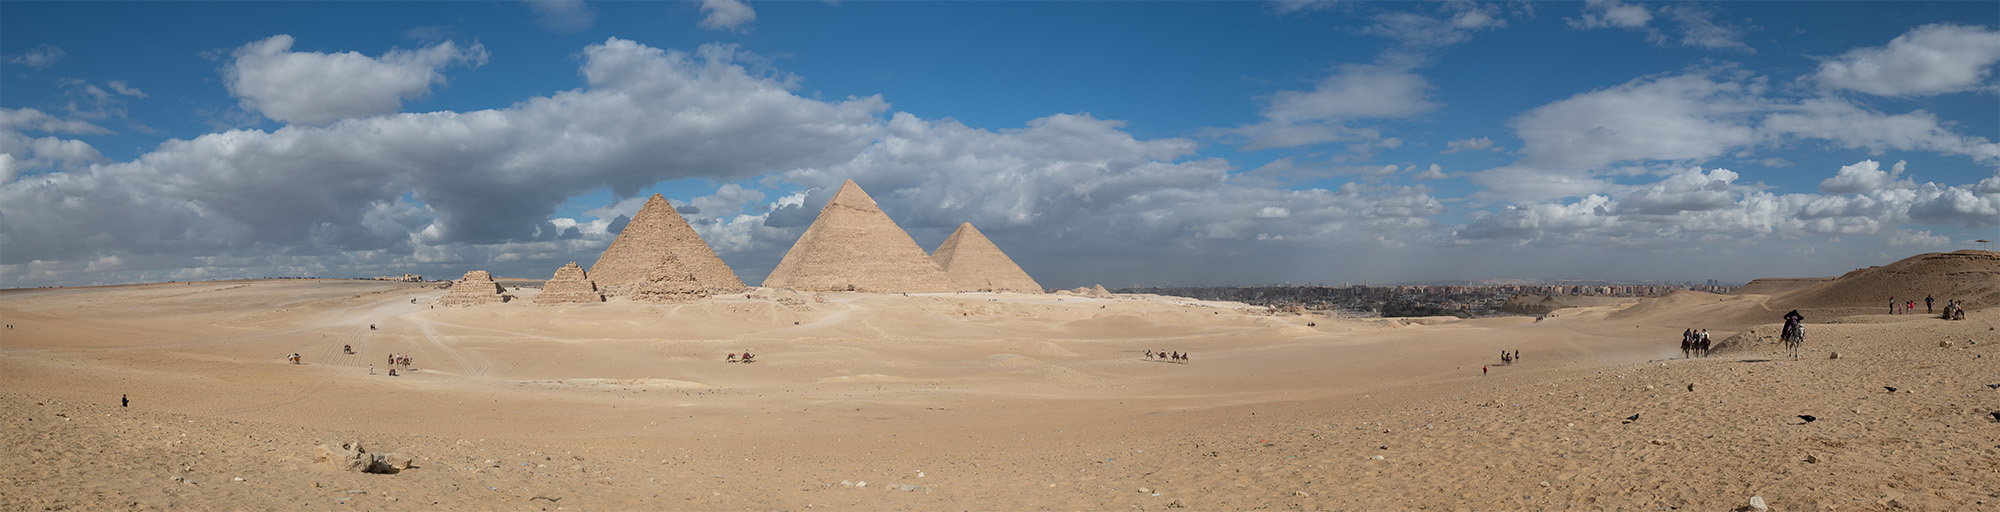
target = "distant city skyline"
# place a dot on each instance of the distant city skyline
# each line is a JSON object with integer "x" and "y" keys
{"x": 1127, "y": 144}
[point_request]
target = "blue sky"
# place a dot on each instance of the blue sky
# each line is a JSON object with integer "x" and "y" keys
{"x": 1123, "y": 143}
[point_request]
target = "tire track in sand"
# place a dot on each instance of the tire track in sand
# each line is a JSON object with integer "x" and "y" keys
{"x": 470, "y": 362}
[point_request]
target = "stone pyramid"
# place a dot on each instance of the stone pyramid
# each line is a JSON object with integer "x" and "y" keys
{"x": 570, "y": 284}
{"x": 976, "y": 265}
{"x": 655, "y": 233}
{"x": 853, "y": 246}
{"x": 477, "y": 287}
{"x": 668, "y": 281}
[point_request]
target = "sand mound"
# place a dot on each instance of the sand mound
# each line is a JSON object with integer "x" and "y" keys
{"x": 656, "y": 233}
{"x": 1673, "y": 302}
{"x": 1970, "y": 276}
{"x": 977, "y": 265}
{"x": 1779, "y": 285}
{"x": 853, "y": 246}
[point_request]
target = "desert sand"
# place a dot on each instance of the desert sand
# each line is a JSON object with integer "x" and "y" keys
{"x": 992, "y": 401}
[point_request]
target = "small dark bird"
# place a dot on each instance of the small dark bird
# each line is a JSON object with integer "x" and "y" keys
{"x": 1632, "y": 418}
{"x": 1996, "y": 416}
{"x": 1891, "y": 389}
{"x": 1808, "y": 417}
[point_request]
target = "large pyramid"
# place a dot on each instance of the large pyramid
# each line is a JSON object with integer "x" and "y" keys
{"x": 654, "y": 234}
{"x": 976, "y": 265}
{"x": 853, "y": 246}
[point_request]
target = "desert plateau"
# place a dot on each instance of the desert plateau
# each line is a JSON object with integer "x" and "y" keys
{"x": 994, "y": 401}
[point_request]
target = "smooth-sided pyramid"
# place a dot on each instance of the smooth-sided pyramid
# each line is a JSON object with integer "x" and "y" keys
{"x": 668, "y": 281}
{"x": 477, "y": 287}
{"x": 570, "y": 284}
{"x": 654, "y": 234}
{"x": 976, "y": 265}
{"x": 853, "y": 246}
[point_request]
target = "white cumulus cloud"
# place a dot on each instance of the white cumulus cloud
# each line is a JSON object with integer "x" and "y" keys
{"x": 728, "y": 15}
{"x": 425, "y": 190}
{"x": 312, "y": 88}
{"x": 1864, "y": 177}
{"x": 1927, "y": 60}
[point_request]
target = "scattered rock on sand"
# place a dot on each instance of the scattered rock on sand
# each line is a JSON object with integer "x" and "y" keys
{"x": 1757, "y": 505}
{"x": 350, "y": 456}
{"x": 1833, "y": 355}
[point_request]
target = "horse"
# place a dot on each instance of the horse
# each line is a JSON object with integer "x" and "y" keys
{"x": 1794, "y": 335}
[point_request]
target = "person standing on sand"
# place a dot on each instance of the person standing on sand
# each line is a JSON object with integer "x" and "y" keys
{"x": 1927, "y": 304}
{"x": 1482, "y": 371}
{"x": 1892, "y": 305}
{"x": 124, "y": 400}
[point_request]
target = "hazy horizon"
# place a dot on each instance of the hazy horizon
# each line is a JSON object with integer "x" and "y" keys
{"x": 1128, "y": 144}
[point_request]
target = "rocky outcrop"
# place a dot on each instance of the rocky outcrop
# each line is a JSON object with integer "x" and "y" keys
{"x": 351, "y": 457}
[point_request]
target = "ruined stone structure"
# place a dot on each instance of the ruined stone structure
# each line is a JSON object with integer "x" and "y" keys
{"x": 570, "y": 284}
{"x": 669, "y": 282}
{"x": 853, "y": 246}
{"x": 976, "y": 265}
{"x": 654, "y": 234}
{"x": 477, "y": 287}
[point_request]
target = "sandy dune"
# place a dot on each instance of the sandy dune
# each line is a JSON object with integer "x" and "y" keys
{"x": 977, "y": 401}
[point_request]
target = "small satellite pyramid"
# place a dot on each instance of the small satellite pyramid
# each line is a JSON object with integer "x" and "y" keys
{"x": 570, "y": 284}
{"x": 976, "y": 265}
{"x": 668, "y": 281}
{"x": 655, "y": 233}
{"x": 477, "y": 287}
{"x": 853, "y": 246}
